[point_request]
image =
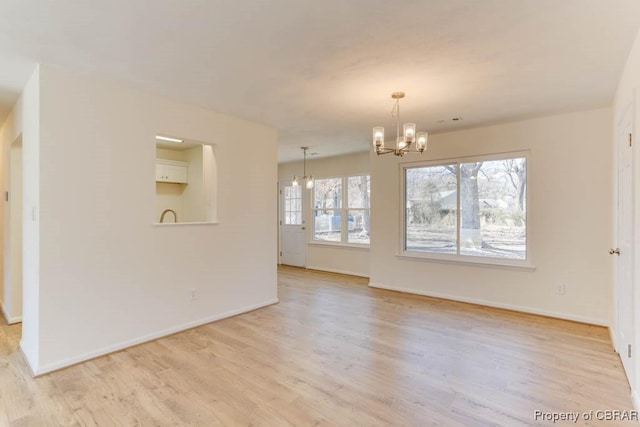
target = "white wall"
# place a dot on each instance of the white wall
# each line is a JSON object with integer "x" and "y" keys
{"x": 108, "y": 278}
{"x": 27, "y": 118}
{"x": 349, "y": 260}
{"x": 570, "y": 220}
{"x": 627, "y": 91}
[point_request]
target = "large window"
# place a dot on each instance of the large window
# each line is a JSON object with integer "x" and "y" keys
{"x": 473, "y": 209}
{"x": 341, "y": 209}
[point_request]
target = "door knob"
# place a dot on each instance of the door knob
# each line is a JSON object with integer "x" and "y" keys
{"x": 614, "y": 251}
{"x": 303, "y": 228}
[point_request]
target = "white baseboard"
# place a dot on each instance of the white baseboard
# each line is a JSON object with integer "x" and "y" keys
{"x": 512, "y": 307}
{"x": 614, "y": 341}
{"x": 331, "y": 270}
{"x": 41, "y": 370}
{"x": 10, "y": 320}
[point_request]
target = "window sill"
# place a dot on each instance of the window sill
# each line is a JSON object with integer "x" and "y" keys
{"x": 469, "y": 261}
{"x": 339, "y": 245}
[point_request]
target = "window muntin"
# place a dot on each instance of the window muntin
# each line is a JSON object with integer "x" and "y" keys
{"x": 292, "y": 205}
{"x": 468, "y": 209}
{"x": 341, "y": 209}
{"x": 358, "y": 214}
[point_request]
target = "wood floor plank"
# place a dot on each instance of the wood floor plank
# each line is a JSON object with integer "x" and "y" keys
{"x": 332, "y": 352}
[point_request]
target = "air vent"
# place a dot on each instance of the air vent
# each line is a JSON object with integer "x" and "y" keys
{"x": 452, "y": 119}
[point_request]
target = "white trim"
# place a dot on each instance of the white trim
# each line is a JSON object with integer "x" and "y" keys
{"x": 614, "y": 340}
{"x": 332, "y": 270}
{"x": 635, "y": 398}
{"x": 547, "y": 313}
{"x": 26, "y": 359}
{"x": 468, "y": 260}
{"x": 54, "y": 366}
{"x": 10, "y": 320}
{"x": 339, "y": 245}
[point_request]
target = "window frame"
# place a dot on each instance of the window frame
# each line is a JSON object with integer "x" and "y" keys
{"x": 525, "y": 263}
{"x": 344, "y": 214}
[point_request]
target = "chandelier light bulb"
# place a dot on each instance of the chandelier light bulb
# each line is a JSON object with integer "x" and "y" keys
{"x": 378, "y": 137}
{"x": 402, "y": 143}
{"x": 409, "y": 131}
{"x": 421, "y": 141}
{"x": 308, "y": 180}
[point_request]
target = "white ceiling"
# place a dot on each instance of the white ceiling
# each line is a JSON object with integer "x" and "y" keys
{"x": 322, "y": 71}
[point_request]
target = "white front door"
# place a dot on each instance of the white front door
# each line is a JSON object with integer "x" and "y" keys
{"x": 293, "y": 239}
{"x": 624, "y": 250}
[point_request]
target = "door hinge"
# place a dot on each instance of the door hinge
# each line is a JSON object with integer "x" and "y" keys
{"x": 630, "y": 140}
{"x": 280, "y": 253}
{"x": 281, "y": 192}
{"x": 629, "y": 350}
{"x": 6, "y": 196}
{"x": 280, "y": 222}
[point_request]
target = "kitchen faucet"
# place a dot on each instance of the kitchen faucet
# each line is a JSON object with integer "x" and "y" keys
{"x": 164, "y": 212}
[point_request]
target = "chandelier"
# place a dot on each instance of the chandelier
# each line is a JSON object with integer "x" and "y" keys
{"x": 307, "y": 179}
{"x": 404, "y": 142}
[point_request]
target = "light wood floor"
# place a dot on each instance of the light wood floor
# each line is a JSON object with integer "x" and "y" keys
{"x": 332, "y": 352}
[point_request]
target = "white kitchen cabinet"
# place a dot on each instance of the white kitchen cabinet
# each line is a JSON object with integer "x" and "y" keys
{"x": 172, "y": 171}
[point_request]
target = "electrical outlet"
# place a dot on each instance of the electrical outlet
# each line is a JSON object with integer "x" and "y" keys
{"x": 193, "y": 294}
{"x": 560, "y": 289}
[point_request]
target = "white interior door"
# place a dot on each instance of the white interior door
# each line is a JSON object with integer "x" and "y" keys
{"x": 293, "y": 239}
{"x": 624, "y": 250}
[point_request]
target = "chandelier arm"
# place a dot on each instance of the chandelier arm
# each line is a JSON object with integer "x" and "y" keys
{"x": 385, "y": 151}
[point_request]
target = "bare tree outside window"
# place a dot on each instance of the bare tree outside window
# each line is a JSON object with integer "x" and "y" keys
{"x": 358, "y": 214}
{"x": 327, "y": 205}
{"x": 431, "y": 209}
{"x": 492, "y": 208}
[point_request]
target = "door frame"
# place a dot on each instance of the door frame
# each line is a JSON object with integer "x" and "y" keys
{"x": 620, "y": 346}
{"x": 13, "y": 299}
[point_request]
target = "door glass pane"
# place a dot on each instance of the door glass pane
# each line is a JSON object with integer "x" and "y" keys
{"x": 431, "y": 209}
{"x": 327, "y": 224}
{"x": 292, "y": 206}
{"x": 493, "y": 208}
